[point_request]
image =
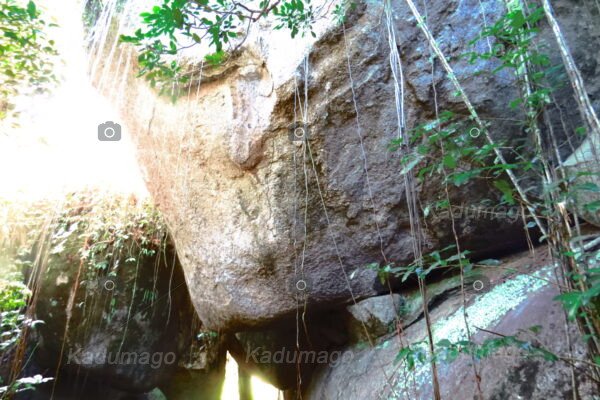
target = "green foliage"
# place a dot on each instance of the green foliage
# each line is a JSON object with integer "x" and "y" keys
{"x": 586, "y": 296}
{"x": 513, "y": 36}
{"x": 451, "y": 148}
{"x": 421, "y": 268}
{"x": 221, "y": 24}
{"x": 13, "y": 299}
{"x": 296, "y": 15}
{"x": 465, "y": 154}
{"x": 412, "y": 355}
{"x": 341, "y": 8}
{"x": 516, "y": 50}
{"x": 107, "y": 236}
{"x": 449, "y": 351}
{"x": 207, "y": 337}
{"x": 14, "y": 296}
{"x": 26, "y": 53}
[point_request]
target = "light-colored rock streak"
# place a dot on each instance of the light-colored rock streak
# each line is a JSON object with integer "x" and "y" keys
{"x": 485, "y": 312}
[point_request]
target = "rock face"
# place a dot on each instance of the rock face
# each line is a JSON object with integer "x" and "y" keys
{"x": 286, "y": 354}
{"x": 583, "y": 166}
{"x": 376, "y": 315}
{"x": 520, "y": 305}
{"x": 107, "y": 293}
{"x": 252, "y": 212}
{"x": 200, "y": 372}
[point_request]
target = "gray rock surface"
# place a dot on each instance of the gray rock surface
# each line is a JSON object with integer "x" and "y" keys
{"x": 244, "y": 204}
{"x": 582, "y": 167}
{"x": 509, "y": 306}
{"x": 283, "y": 354}
{"x": 200, "y": 372}
{"x": 377, "y": 315}
{"x": 121, "y": 324}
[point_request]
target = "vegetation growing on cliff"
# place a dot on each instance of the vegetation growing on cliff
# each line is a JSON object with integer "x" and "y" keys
{"x": 176, "y": 25}
{"x": 462, "y": 149}
{"x": 98, "y": 244}
{"x": 456, "y": 148}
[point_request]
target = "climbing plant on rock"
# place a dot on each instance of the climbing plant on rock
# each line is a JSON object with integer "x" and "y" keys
{"x": 221, "y": 25}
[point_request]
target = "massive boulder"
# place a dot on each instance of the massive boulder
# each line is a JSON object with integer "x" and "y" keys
{"x": 516, "y": 305}
{"x": 111, "y": 294}
{"x": 252, "y": 212}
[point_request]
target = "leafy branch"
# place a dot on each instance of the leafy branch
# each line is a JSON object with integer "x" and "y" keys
{"x": 222, "y": 24}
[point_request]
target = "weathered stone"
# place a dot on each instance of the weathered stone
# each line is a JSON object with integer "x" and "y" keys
{"x": 200, "y": 372}
{"x": 583, "y": 168}
{"x": 376, "y": 315}
{"x": 290, "y": 350}
{"x": 510, "y": 306}
{"x": 244, "y": 203}
{"x": 113, "y": 308}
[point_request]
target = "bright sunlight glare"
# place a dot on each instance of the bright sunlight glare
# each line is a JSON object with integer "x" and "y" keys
{"x": 56, "y": 148}
{"x": 260, "y": 389}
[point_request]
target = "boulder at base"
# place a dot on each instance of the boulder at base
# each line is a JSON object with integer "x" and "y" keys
{"x": 518, "y": 310}
{"x": 112, "y": 297}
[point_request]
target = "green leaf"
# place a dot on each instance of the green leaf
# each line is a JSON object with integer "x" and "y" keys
{"x": 571, "y": 301}
{"x": 449, "y": 161}
{"x": 506, "y": 189}
{"x": 581, "y": 131}
{"x": 593, "y": 206}
{"x": 490, "y": 261}
{"x": 31, "y": 10}
{"x": 588, "y": 186}
{"x": 515, "y": 103}
{"x": 462, "y": 177}
{"x": 411, "y": 164}
{"x": 215, "y": 58}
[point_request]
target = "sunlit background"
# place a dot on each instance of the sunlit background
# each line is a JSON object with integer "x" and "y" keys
{"x": 54, "y": 149}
